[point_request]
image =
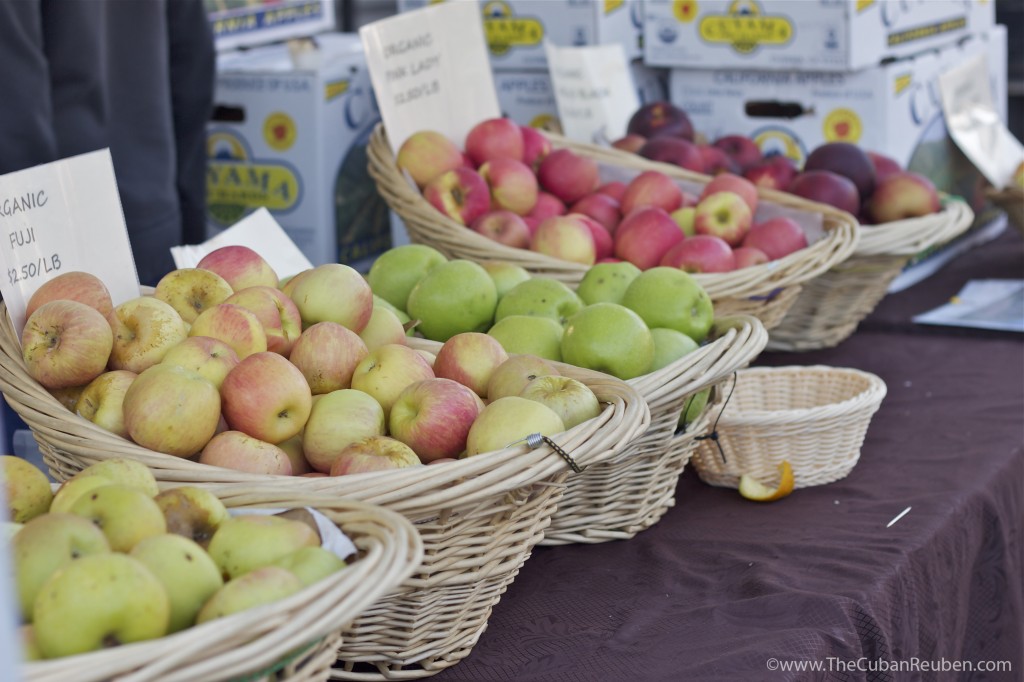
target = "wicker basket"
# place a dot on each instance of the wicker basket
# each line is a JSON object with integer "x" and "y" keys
{"x": 479, "y": 517}
{"x": 815, "y": 417}
{"x": 831, "y": 306}
{"x": 764, "y": 291}
{"x": 1011, "y": 200}
{"x": 295, "y": 639}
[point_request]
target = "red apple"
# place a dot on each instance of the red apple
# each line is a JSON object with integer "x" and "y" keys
{"x": 660, "y": 119}
{"x": 725, "y": 215}
{"x": 78, "y": 286}
{"x": 651, "y": 189}
{"x": 547, "y": 205}
{"x": 495, "y": 138}
{"x": 536, "y": 146}
{"x": 433, "y": 417}
{"x": 565, "y": 238}
{"x": 903, "y": 195}
{"x": 603, "y": 244}
{"x": 828, "y": 188}
{"x": 568, "y": 176}
{"x": 235, "y": 326}
{"x": 776, "y": 237}
{"x": 727, "y": 182}
{"x": 740, "y": 148}
{"x": 600, "y": 207}
{"x": 461, "y": 194}
{"x": 279, "y": 316}
{"x": 238, "y": 451}
{"x": 885, "y": 167}
{"x": 240, "y": 266}
{"x": 747, "y": 256}
{"x": 775, "y": 172}
{"x": 630, "y": 143}
{"x": 427, "y": 154}
{"x": 504, "y": 227}
{"x": 266, "y": 397}
{"x": 327, "y": 354}
{"x": 614, "y": 189}
{"x": 675, "y": 151}
{"x": 470, "y": 358}
{"x": 63, "y": 344}
{"x": 376, "y": 453}
{"x": 701, "y": 253}
{"x": 644, "y": 237}
{"x": 513, "y": 185}
{"x": 847, "y": 160}
{"x": 334, "y": 292}
{"x": 717, "y": 161}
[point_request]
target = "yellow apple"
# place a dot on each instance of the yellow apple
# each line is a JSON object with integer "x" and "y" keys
{"x": 27, "y": 489}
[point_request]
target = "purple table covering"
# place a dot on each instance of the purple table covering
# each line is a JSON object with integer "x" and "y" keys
{"x": 723, "y": 588}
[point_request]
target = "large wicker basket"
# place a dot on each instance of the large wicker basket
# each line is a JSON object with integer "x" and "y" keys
{"x": 765, "y": 291}
{"x": 830, "y": 306}
{"x": 295, "y": 639}
{"x": 479, "y": 517}
{"x": 815, "y": 417}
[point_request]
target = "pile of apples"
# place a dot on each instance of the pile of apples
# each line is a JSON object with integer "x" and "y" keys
{"x": 866, "y": 184}
{"x": 228, "y": 366}
{"x": 109, "y": 560}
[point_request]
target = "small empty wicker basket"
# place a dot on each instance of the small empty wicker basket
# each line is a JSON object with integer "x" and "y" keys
{"x": 815, "y": 417}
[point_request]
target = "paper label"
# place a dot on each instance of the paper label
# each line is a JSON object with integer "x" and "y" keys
{"x": 61, "y": 217}
{"x": 594, "y": 91}
{"x": 261, "y": 233}
{"x": 974, "y": 124}
{"x": 430, "y": 71}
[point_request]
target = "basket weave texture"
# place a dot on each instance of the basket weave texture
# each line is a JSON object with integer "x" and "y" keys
{"x": 830, "y": 307}
{"x": 294, "y": 639}
{"x": 479, "y": 518}
{"x": 815, "y": 417}
{"x": 756, "y": 290}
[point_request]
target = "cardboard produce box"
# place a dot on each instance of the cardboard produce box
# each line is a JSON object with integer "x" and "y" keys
{"x": 893, "y": 109}
{"x": 245, "y": 23}
{"x": 516, "y": 29}
{"x": 819, "y": 35}
{"x": 290, "y": 133}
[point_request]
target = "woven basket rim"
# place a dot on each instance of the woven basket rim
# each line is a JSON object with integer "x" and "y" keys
{"x": 911, "y": 236}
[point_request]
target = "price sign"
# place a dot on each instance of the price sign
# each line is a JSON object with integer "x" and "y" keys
{"x": 61, "y": 217}
{"x": 594, "y": 91}
{"x": 430, "y": 71}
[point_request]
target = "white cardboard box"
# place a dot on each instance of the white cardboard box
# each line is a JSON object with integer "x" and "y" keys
{"x": 516, "y": 29}
{"x": 293, "y": 138}
{"x": 819, "y": 35}
{"x": 893, "y": 109}
{"x": 244, "y": 23}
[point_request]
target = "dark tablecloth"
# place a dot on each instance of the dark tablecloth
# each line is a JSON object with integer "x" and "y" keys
{"x": 722, "y": 587}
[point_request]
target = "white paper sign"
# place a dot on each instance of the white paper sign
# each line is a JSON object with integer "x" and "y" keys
{"x": 974, "y": 124}
{"x": 594, "y": 91}
{"x": 61, "y": 217}
{"x": 430, "y": 71}
{"x": 261, "y": 233}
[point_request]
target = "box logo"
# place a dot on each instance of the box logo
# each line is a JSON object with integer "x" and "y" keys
{"x": 685, "y": 11}
{"x": 612, "y": 5}
{"x": 279, "y": 131}
{"x": 780, "y": 141}
{"x": 745, "y": 27}
{"x": 236, "y": 183}
{"x": 505, "y": 31}
{"x": 842, "y": 125}
{"x": 335, "y": 89}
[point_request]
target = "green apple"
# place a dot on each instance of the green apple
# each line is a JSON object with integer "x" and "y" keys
{"x": 525, "y": 334}
{"x": 262, "y": 586}
{"x": 125, "y": 515}
{"x": 44, "y": 545}
{"x": 73, "y": 488}
{"x": 124, "y": 471}
{"x": 509, "y": 420}
{"x": 192, "y": 512}
{"x": 97, "y": 602}
{"x": 27, "y": 489}
{"x": 669, "y": 346}
{"x": 311, "y": 564}
{"x": 607, "y": 282}
{"x": 573, "y": 401}
{"x": 188, "y": 574}
{"x": 396, "y": 271}
{"x": 693, "y": 406}
{"x": 505, "y": 275}
{"x": 540, "y": 297}
{"x": 609, "y": 338}
{"x": 671, "y": 298}
{"x": 455, "y": 297}
{"x": 245, "y": 543}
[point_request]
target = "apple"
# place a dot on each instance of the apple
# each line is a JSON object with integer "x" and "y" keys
{"x": 461, "y": 194}
{"x": 457, "y": 296}
{"x": 749, "y": 256}
{"x": 65, "y": 344}
{"x": 78, "y": 286}
{"x": 382, "y": 329}
{"x": 470, "y": 358}
{"x": 293, "y": 449}
{"x": 541, "y": 297}
{"x": 236, "y": 326}
{"x": 426, "y": 154}
{"x": 495, "y": 138}
{"x": 631, "y": 142}
{"x": 279, "y": 316}
{"x": 192, "y": 512}
{"x": 508, "y": 421}
{"x": 774, "y": 172}
{"x": 645, "y": 235}
{"x": 539, "y": 336}
{"x": 536, "y": 146}
{"x": 572, "y": 400}
{"x": 211, "y": 358}
{"x": 727, "y": 182}
{"x": 269, "y": 415}
{"x": 188, "y": 574}
{"x": 257, "y": 588}
{"x": 847, "y": 160}
{"x": 885, "y": 166}
{"x": 669, "y": 346}
{"x": 385, "y": 372}
{"x": 684, "y": 218}
{"x": 603, "y": 242}
{"x": 396, "y": 271}
{"x": 740, "y": 149}
{"x": 565, "y": 238}
{"x": 235, "y": 450}
{"x": 190, "y": 291}
{"x": 606, "y": 282}
{"x": 29, "y": 647}
{"x": 776, "y": 237}
{"x": 615, "y": 189}
{"x": 828, "y": 188}
{"x": 716, "y": 161}
{"x": 660, "y": 119}
{"x": 287, "y": 285}
{"x": 27, "y": 491}
{"x": 172, "y": 410}
{"x": 701, "y": 253}
{"x": 8, "y": 529}
{"x": 240, "y": 266}
{"x": 124, "y": 471}
{"x": 101, "y": 401}
{"x": 327, "y": 354}
{"x": 245, "y": 543}
{"x": 125, "y": 515}
{"x": 337, "y": 420}
{"x": 547, "y": 206}
{"x": 73, "y": 488}
{"x": 428, "y": 356}
{"x": 602, "y": 208}
{"x": 693, "y": 407}
{"x": 375, "y": 453}
{"x": 504, "y": 227}
{"x": 609, "y": 338}
{"x": 670, "y": 298}
{"x": 97, "y": 602}
{"x": 434, "y": 417}
{"x": 513, "y": 185}
{"x": 505, "y": 276}
{"x": 311, "y": 564}
{"x": 403, "y": 317}
{"x": 44, "y": 545}
{"x": 334, "y": 293}
{"x": 723, "y": 214}
{"x": 651, "y": 189}
{"x": 568, "y": 176}
{"x": 512, "y": 376}
{"x": 68, "y": 397}
{"x": 903, "y": 195}
{"x": 674, "y": 150}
